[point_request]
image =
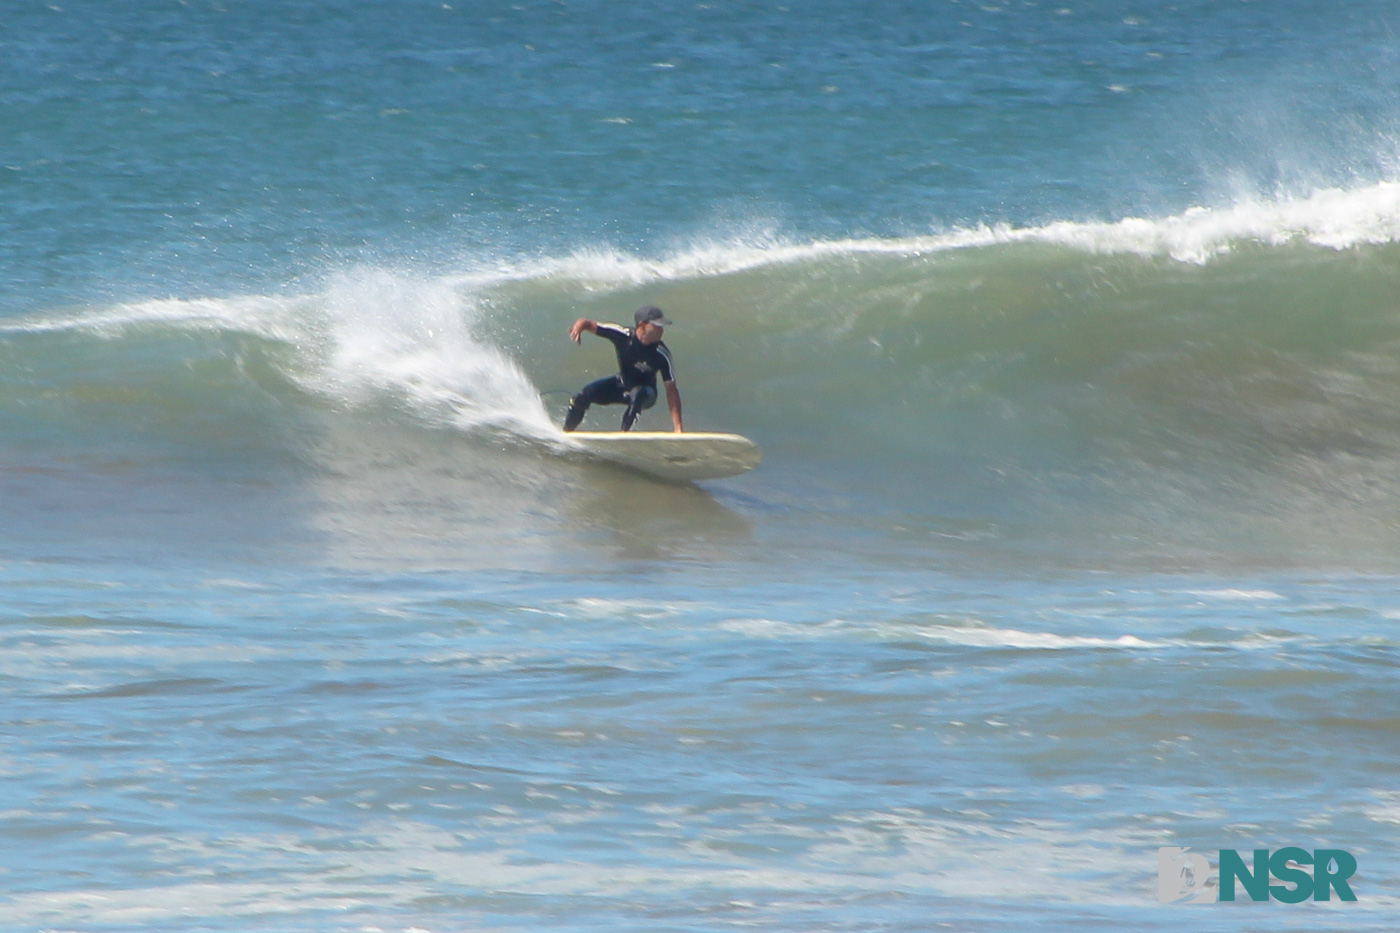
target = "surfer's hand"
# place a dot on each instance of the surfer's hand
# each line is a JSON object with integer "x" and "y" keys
{"x": 576, "y": 332}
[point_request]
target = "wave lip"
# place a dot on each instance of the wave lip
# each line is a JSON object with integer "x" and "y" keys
{"x": 1335, "y": 218}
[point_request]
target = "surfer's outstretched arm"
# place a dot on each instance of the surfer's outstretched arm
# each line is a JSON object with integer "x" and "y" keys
{"x": 581, "y": 325}
{"x": 673, "y": 398}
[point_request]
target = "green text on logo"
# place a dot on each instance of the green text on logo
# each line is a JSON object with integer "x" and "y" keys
{"x": 1331, "y": 869}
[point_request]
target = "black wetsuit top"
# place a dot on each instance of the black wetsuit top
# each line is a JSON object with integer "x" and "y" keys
{"x": 638, "y": 363}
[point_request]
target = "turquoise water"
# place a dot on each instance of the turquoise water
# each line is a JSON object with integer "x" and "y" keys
{"x": 1069, "y": 331}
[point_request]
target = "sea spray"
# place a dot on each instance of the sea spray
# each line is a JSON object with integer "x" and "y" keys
{"x": 412, "y": 338}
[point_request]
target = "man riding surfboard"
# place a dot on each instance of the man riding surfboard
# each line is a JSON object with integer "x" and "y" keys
{"x": 641, "y": 355}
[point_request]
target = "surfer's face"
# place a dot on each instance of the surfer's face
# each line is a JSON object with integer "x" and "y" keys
{"x": 649, "y": 333}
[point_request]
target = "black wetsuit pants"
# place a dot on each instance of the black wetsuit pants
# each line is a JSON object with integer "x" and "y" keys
{"x": 610, "y": 391}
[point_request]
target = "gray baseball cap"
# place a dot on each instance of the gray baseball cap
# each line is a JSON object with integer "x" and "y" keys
{"x": 651, "y": 314}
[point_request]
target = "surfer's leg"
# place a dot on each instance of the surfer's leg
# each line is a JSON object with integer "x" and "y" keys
{"x": 605, "y": 391}
{"x": 639, "y": 399}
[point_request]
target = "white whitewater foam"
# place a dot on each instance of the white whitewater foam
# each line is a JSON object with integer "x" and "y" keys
{"x": 1237, "y": 595}
{"x": 392, "y": 867}
{"x": 412, "y": 337}
{"x": 264, "y": 316}
{"x": 1332, "y": 218}
{"x": 973, "y": 635}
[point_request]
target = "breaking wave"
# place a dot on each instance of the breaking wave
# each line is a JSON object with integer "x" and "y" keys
{"x": 1142, "y": 376}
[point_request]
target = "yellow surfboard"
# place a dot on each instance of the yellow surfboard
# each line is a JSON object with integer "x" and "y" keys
{"x": 685, "y": 457}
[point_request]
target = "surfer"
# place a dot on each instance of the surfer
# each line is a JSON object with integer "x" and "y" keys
{"x": 640, "y": 356}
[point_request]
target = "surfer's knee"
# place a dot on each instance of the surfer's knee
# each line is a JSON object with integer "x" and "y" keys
{"x": 577, "y": 406}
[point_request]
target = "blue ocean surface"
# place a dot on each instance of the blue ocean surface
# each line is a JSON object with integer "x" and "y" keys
{"x": 1071, "y": 335}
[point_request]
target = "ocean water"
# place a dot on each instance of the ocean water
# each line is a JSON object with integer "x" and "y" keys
{"x": 1071, "y": 333}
